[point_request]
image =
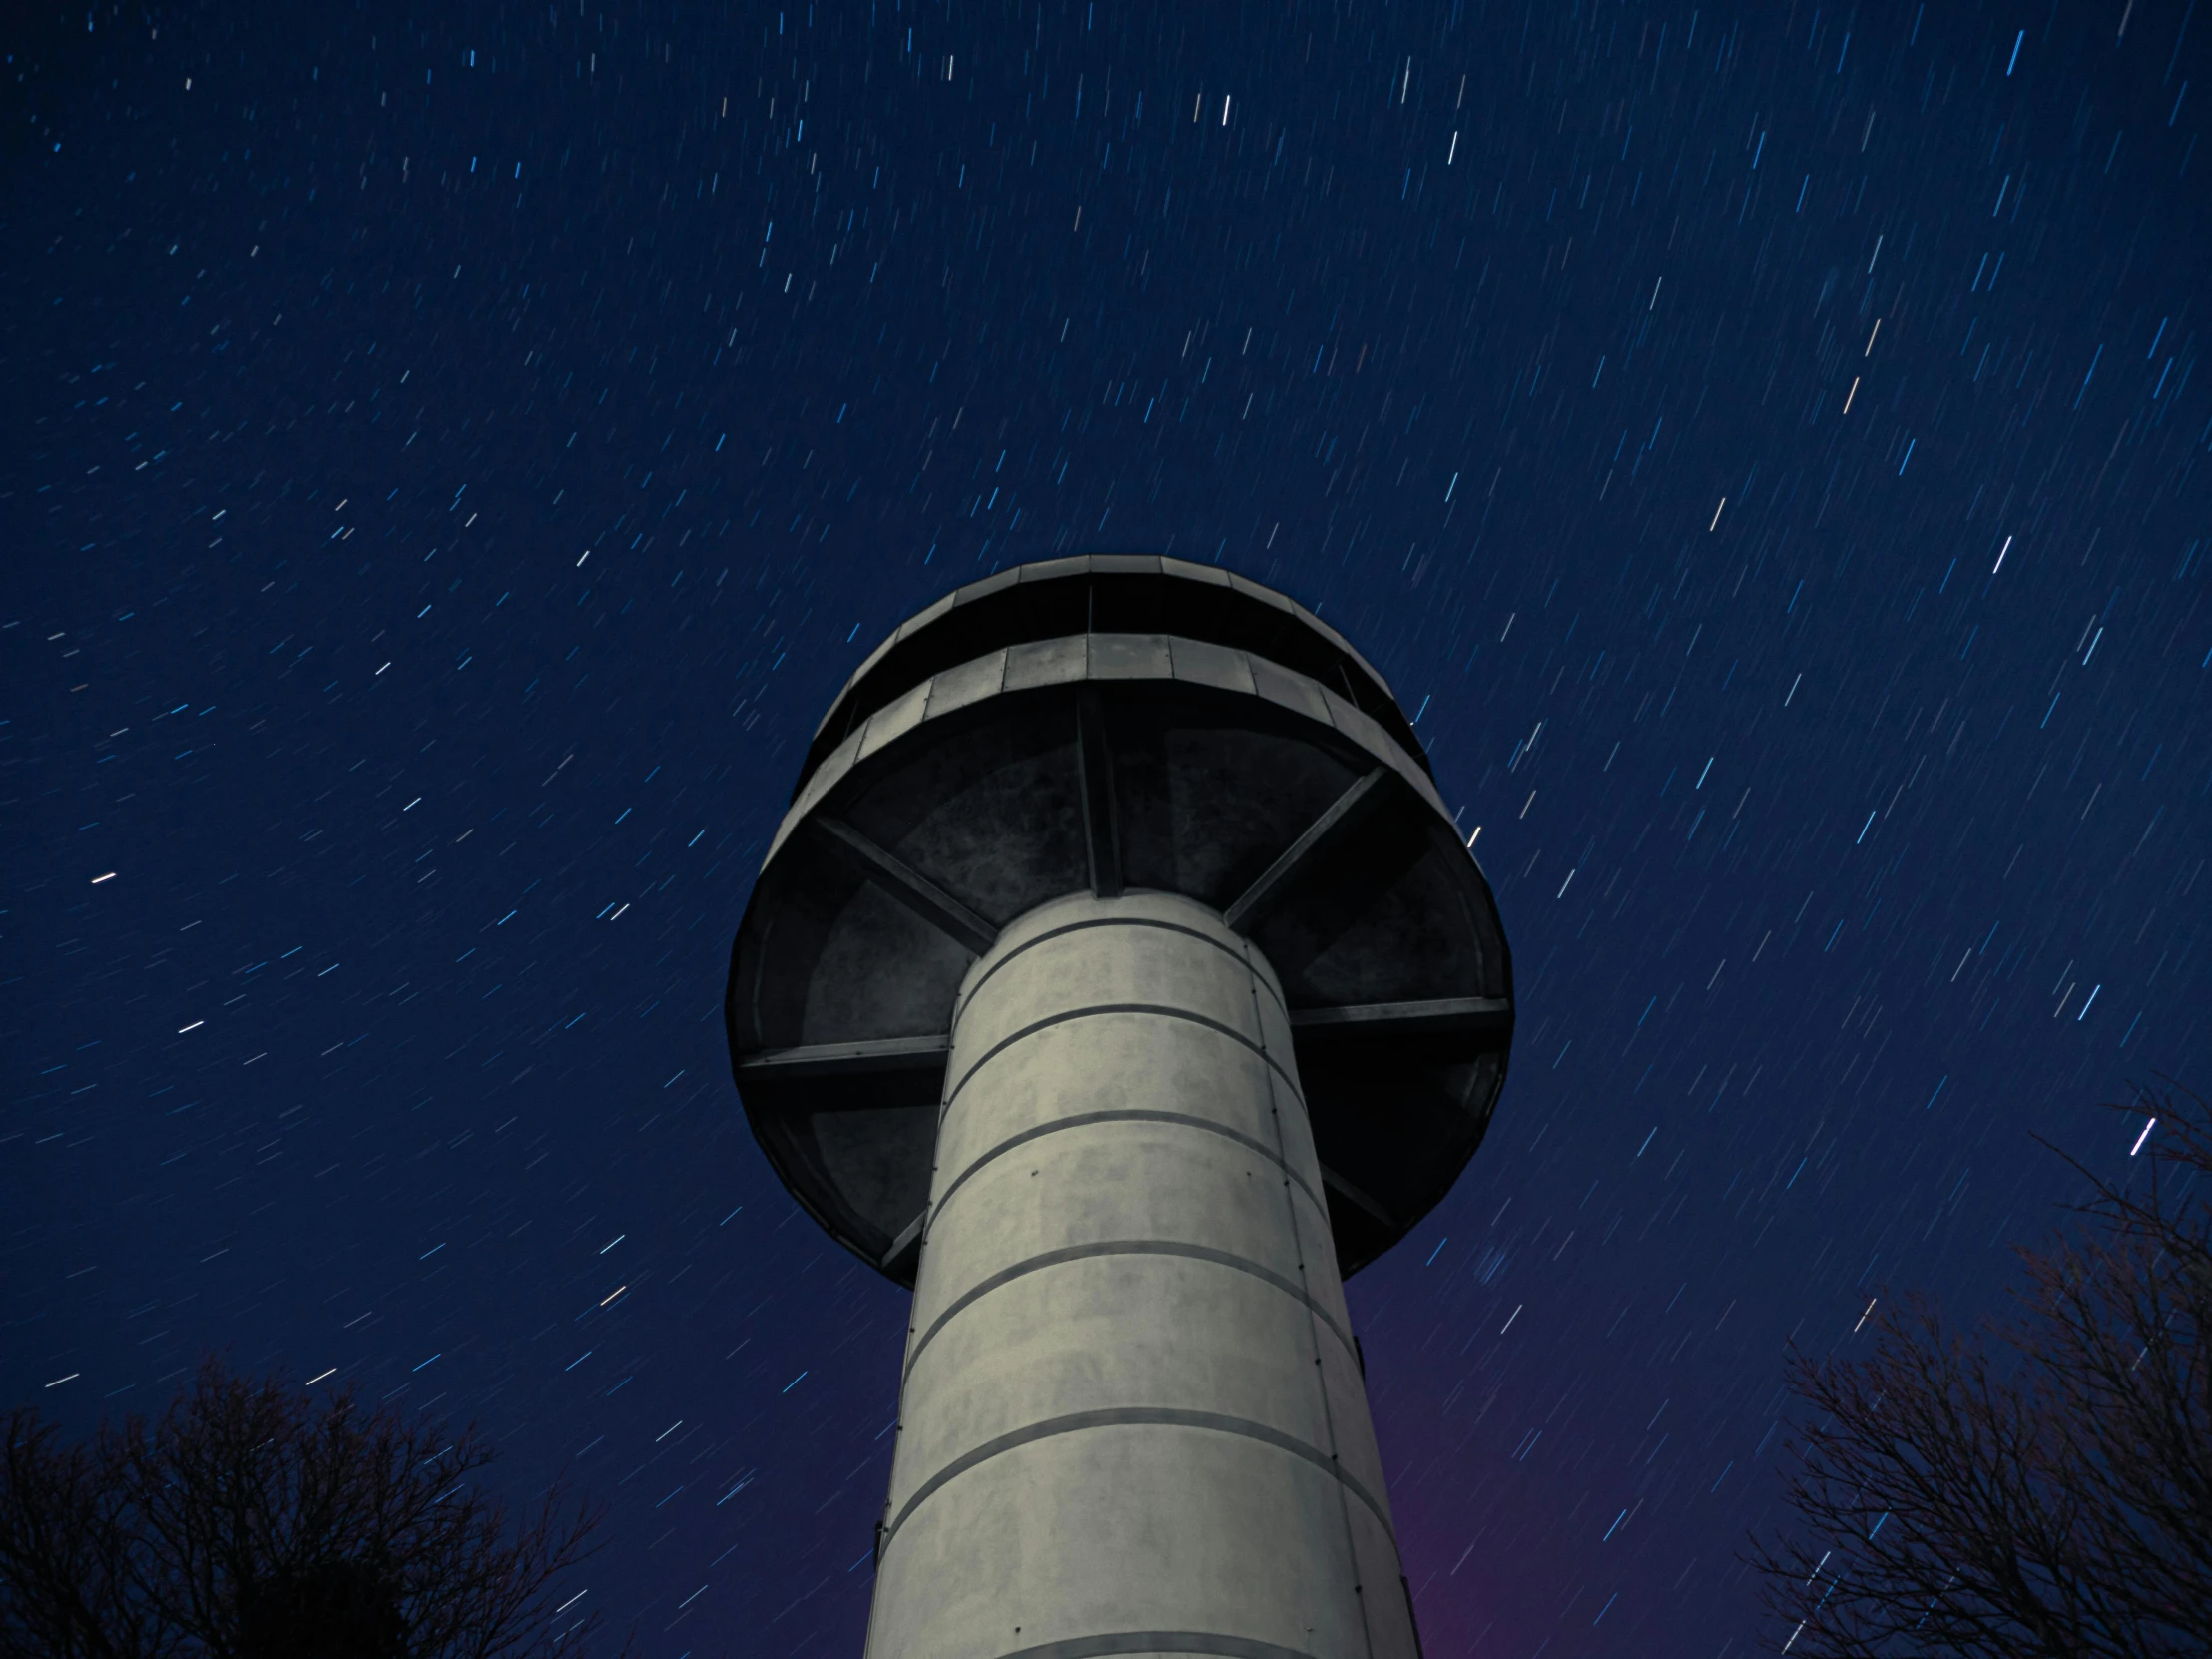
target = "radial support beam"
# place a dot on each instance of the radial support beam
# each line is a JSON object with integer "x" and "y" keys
{"x": 819, "y": 1060}
{"x": 912, "y": 889}
{"x": 909, "y": 1240}
{"x": 1483, "y": 1015}
{"x": 1358, "y": 1201}
{"x": 1320, "y": 836}
{"x": 1101, "y": 821}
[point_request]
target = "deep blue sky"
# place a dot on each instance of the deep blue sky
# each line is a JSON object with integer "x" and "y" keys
{"x": 454, "y": 453}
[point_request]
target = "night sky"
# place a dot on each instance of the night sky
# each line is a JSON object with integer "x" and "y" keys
{"x": 453, "y": 455}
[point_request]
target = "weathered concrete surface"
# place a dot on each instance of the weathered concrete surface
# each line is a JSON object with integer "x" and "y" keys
{"x": 1132, "y": 1417}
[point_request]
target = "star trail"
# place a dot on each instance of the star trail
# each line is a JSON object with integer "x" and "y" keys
{"x": 456, "y": 453}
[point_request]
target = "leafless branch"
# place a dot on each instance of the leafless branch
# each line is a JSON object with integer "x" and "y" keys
{"x": 251, "y": 1519}
{"x": 2042, "y": 1486}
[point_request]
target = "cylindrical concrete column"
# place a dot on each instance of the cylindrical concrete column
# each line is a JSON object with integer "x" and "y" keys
{"x": 1131, "y": 1416}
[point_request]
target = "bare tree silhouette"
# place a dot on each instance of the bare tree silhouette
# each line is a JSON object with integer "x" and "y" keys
{"x": 254, "y": 1520}
{"x": 2042, "y": 1486}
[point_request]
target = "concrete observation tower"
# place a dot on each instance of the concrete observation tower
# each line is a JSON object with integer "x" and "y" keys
{"x": 1118, "y": 981}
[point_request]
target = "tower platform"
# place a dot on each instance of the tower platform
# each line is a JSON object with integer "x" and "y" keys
{"x": 1108, "y": 724}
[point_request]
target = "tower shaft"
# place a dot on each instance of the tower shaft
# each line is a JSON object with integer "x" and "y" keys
{"x": 1132, "y": 1419}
